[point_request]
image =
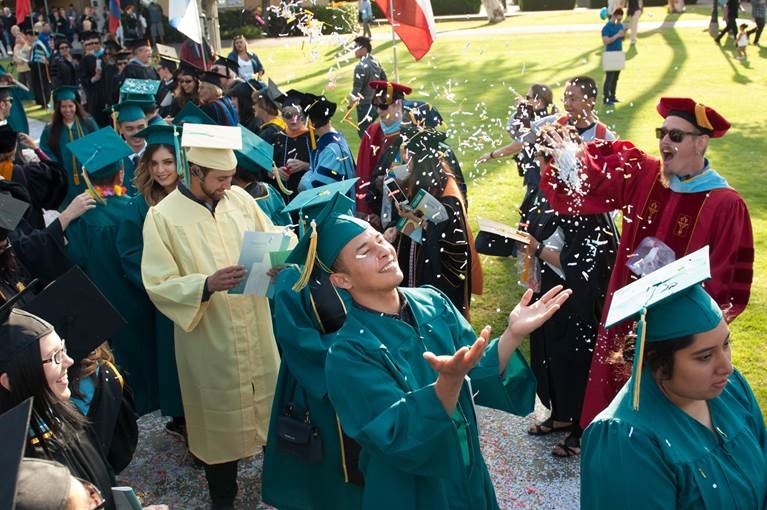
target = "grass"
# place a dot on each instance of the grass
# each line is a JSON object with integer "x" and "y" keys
{"x": 472, "y": 78}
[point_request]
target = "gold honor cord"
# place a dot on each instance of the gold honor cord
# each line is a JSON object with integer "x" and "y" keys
{"x": 311, "y": 255}
{"x": 348, "y": 113}
{"x": 278, "y": 179}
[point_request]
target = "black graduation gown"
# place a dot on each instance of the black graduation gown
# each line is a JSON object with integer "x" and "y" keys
{"x": 286, "y": 148}
{"x": 561, "y": 349}
{"x": 162, "y": 93}
{"x": 46, "y": 184}
{"x": 78, "y": 451}
{"x": 63, "y": 72}
{"x": 443, "y": 259}
{"x": 139, "y": 72}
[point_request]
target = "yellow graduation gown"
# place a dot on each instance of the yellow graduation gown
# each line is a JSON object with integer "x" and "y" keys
{"x": 225, "y": 350}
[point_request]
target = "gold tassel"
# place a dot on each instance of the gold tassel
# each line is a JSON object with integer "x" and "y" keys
{"x": 312, "y": 138}
{"x": 639, "y": 351}
{"x": 311, "y": 255}
{"x": 91, "y": 190}
{"x": 280, "y": 184}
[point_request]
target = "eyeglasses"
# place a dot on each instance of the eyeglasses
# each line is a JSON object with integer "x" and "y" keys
{"x": 90, "y": 43}
{"x": 675, "y": 135}
{"x": 95, "y": 498}
{"x": 58, "y": 356}
{"x": 8, "y": 100}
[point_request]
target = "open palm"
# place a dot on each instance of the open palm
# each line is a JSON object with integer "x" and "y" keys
{"x": 526, "y": 318}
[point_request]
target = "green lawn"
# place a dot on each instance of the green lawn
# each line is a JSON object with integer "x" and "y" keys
{"x": 470, "y": 79}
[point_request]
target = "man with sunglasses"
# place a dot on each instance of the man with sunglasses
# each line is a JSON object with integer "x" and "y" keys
{"x": 368, "y": 69}
{"x": 92, "y": 78}
{"x": 677, "y": 199}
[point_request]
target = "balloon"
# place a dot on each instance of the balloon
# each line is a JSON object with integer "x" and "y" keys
{"x": 603, "y": 13}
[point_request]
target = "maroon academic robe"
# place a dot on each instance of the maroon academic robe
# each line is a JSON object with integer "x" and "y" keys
{"x": 373, "y": 144}
{"x": 620, "y": 176}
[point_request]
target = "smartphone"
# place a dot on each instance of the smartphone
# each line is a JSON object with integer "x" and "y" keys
{"x": 394, "y": 191}
{"x": 98, "y": 64}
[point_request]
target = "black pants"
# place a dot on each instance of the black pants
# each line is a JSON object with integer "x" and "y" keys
{"x": 222, "y": 482}
{"x": 611, "y": 82}
{"x": 366, "y": 114}
{"x": 731, "y": 27}
{"x": 757, "y": 30}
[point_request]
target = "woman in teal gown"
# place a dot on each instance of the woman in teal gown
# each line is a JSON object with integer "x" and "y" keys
{"x": 156, "y": 176}
{"x": 70, "y": 122}
{"x": 697, "y": 439}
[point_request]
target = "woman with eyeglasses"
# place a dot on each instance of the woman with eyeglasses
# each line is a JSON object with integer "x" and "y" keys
{"x": 64, "y": 68}
{"x": 293, "y": 151}
{"x": 677, "y": 200}
{"x": 34, "y": 363}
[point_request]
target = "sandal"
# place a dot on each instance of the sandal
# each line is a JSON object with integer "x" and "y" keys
{"x": 570, "y": 447}
{"x": 547, "y": 427}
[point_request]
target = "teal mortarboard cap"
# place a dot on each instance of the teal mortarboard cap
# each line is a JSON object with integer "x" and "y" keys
{"x": 100, "y": 153}
{"x": 130, "y": 111}
{"x": 141, "y": 87}
{"x": 256, "y": 154}
{"x": 157, "y": 121}
{"x": 669, "y": 303}
{"x": 157, "y": 134}
{"x": 330, "y": 231}
{"x": 192, "y": 114}
{"x": 311, "y": 202}
{"x": 65, "y": 93}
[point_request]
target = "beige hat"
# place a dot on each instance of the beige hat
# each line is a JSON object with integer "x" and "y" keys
{"x": 212, "y": 146}
{"x": 215, "y": 159}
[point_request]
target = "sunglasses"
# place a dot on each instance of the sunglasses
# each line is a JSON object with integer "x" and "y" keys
{"x": 675, "y": 135}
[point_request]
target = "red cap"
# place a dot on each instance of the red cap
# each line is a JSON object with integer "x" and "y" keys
{"x": 701, "y": 116}
{"x": 389, "y": 90}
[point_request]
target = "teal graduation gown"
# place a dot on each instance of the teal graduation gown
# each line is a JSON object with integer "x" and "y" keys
{"x": 414, "y": 455}
{"x": 288, "y": 482}
{"x": 129, "y": 172}
{"x": 130, "y": 245}
{"x": 659, "y": 457}
{"x": 75, "y": 181}
{"x": 93, "y": 246}
{"x": 270, "y": 201}
{"x": 17, "y": 119}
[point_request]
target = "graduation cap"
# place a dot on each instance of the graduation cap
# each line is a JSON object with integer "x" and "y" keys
{"x": 8, "y": 138}
{"x": 212, "y": 146}
{"x": 78, "y": 311}
{"x": 423, "y": 141}
{"x": 123, "y": 54}
{"x": 389, "y": 91}
{"x": 308, "y": 204}
{"x": 329, "y": 232}
{"x": 11, "y": 211}
{"x": 192, "y": 114}
{"x": 18, "y": 330}
{"x": 87, "y": 36}
{"x": 256, "y": 154}
{"x": 66, "y": 93}
{"x": 14, "y": 423}
{"x": 293, "y": 98}
{"x": 189, "y": 69}
{"x": 6, "y": 90}
{"x": 136, "y": 88}
{"x": 668, "y": 303}
{"x": 113, "y": 46}
{"x": 168, "y": 57}
{"x": 212, "y": 77}
{"x": 273, "y": 93}
{"x": 134, "y": 44}
{"x": 100, "y": 153}
{"x": 319, "y": 109}
{"x": 131, "y": 110}
{"x": 699, "y": 115}
{"x": 422, "y": 113}
{"x": 497, "y": 239}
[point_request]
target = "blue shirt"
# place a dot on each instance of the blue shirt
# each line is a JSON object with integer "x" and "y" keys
{"x": 609, "y": 30}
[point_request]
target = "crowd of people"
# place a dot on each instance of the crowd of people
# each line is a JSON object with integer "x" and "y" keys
{"x": 124, "y": 291}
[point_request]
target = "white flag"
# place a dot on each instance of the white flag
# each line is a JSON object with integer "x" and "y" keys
{"x": 184, "y": 17}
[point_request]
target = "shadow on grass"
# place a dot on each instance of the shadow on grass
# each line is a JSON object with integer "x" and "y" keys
{"x": 737, "y": 76}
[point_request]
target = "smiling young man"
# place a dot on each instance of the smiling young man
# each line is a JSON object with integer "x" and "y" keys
{"x": 225, "y": 350}
{"x": 406, "y": 370}
{"x": 678, "y": 199}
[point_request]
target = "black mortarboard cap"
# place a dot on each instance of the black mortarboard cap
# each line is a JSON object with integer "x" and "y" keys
{"x": 112, "y": 46}
{"x": 232, "y": 65}
{"x": 11, "y": 211}
{"x": 189, "y": 68}
{"x": 319, "y": 109}
{"x": 18, "y": 331}
{"x": 273, "y": 93}
{"x": 78, "y": 311}
{"x": 293, "y": 98}
{"x": 212, "y": 77}
{"x": 134, "y": 44}
{"x": 14, "y": 424}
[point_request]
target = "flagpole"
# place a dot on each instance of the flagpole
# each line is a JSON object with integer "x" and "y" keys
{"x": 202, "y": 39}
{"x": 393, "y": 39}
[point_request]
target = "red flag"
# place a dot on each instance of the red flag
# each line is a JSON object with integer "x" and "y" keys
{"x": 114, "y": 15}
{"x": 413, "y": 23}
{"x": 23, "y": 9}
